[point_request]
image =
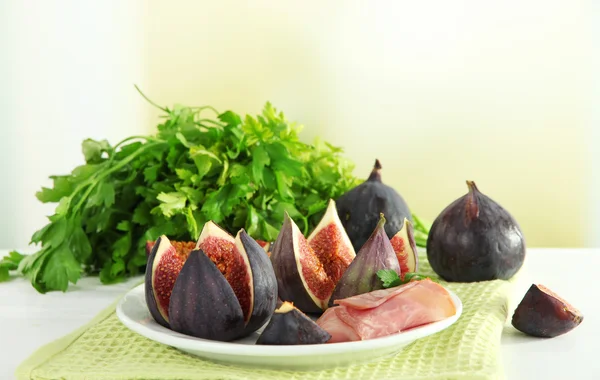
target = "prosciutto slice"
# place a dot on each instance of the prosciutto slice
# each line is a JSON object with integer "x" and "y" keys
{"x": 387, "y": 311}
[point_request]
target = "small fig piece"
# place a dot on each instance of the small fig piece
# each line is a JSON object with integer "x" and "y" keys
{"x": 300, "y": 277}
{"x": 203, "y": 304}
{"x": 406, "y": 249}
{"x": 289, "y": 326}
{"x": 360, "y": 207}
{"x": 542, "y": 313}
{"x": 361, "y": 276}
{"x": 162, "y": 268}
{"x": 475, "y": 239}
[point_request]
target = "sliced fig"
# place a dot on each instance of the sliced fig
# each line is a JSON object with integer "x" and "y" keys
{"x": 331, "y": 244}
{"x": 203, "y": 304}
{"x": 162, "y": 269}
{"x": 542, "y": 313}
{"x": 406, "y": 249}
{"x": 221, "y": 249}
{"x": 361, "y": 276}
{"x": 289, "y": 326}
{"x": 359, "y": 208}
{"x": 301, "y": 278}
{"x": 263, "y": 282}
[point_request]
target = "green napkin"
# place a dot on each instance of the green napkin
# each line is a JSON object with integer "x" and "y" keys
{"x": 106, "y": 349}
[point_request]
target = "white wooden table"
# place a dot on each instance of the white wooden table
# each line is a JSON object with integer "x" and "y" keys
{"x": 29, "y": 319}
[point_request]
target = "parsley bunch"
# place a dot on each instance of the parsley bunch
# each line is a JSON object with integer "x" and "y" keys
{"x": 201, "y": 165}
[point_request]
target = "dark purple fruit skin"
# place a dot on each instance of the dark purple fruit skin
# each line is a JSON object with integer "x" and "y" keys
{"x": 361, "y": 275}
{"x": 289, "y": 284}
{"x": 265, "y": 283}
{"x": 150, "y": 300}
{"x": 475, "y": 239}
{"x": 203, "y": 303}
{"x": 292, "y": 328}
{"x": 544, "y": 316}
{"x": 360, "y": 207}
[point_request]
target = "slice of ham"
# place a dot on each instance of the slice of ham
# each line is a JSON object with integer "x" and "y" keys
{"x": 387, "y": 311}
{"x": 339, "y": 331}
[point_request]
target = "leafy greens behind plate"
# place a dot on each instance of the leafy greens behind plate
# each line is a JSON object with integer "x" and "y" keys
{"x": 238, "y": 172}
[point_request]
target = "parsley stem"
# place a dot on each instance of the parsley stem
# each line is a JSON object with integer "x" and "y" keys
{"x": 93, "y": 180}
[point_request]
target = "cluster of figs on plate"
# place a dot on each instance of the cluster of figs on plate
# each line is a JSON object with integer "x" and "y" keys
{"x": 225, "y": 288}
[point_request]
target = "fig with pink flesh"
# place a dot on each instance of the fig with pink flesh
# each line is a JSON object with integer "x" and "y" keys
{"x": 289, "y": 326}
{"x": 361, "y": 276}
{"x": 542, "y": 313}
{"x": 162, "y": 268}
{"x": 226, "y": 289}
{"x": 475, "y": 239}
{"x": 307, "y": 270}
{"x": 405, "y": 248}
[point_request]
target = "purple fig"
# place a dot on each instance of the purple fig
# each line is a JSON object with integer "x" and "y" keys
{"x": 542, "y": 313}
{"x": 224, "y": 290}
{"x": 308, "y": 269}
{"x": 359, "y": 208}
{"x": 475, "y": 239}
{"x": 289, "y": 326}
{"x": 361, "y": 276}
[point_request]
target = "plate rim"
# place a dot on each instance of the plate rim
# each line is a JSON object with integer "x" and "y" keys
{"x": 174, "y": 339}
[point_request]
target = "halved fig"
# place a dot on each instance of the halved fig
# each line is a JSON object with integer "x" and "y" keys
{"x": 163, "y": 266}
{"x": 361, "y": 276}
{"x": 331, "y": 244}
{"x": 289, "y": 326}
{"x": 301, "y": 278}
{"x": 542, "y": 313}
{"x": 405, "y": 247}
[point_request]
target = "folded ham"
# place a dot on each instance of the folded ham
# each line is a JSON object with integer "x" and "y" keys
{"x": 387, "y": 311}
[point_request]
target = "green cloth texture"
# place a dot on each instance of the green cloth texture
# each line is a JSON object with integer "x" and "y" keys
{"x": 106, "y": 349}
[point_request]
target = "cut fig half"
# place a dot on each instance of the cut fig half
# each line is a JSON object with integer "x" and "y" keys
{"x": 331, "y": 244}
{"x": 301, "y": 278}
{"x": 289, "y": 326}
{"x": 220, "y": 247}
{"x": 405, "y": 247}
{"x": 162, "y": 268}
{"x": 542, "y": 313}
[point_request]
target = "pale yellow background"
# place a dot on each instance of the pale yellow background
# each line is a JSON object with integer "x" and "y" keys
{"x": 441, "y": 92}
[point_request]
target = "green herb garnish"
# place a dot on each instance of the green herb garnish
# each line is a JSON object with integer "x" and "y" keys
{"x": 390, "y": 278}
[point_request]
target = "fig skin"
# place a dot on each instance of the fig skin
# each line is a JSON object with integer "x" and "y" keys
{"x": 289, "y": 326}
{"x": 360, "y": 207}
{"x": 475, "y": 239}
{"x": 203, "y": 303}
{"x": 148, "y": 289}
{"x": 541, "y": 313}
{"x": 263, "y": 281}
{"x": 289, "y": 282}
{"x": 361, "y": 276}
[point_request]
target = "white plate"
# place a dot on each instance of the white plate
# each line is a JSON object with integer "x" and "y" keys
{"x": 134, "y": 314}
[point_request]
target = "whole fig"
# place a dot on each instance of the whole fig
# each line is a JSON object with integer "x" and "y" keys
{"x": 359, "y": 208}
{"x": 475, "y": 239}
